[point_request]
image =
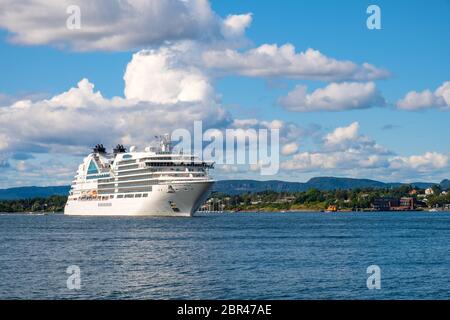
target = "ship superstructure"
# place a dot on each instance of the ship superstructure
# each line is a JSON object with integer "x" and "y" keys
{"x": 155, "y": 181}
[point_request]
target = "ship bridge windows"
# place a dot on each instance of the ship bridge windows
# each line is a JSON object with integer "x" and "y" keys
{"x": 97, "y": 176}
{"x": 129, "y": 167}
{"x": 193, "y": 164}
{"x": 126, "y": 162}
{"x": 132, "y": 172}
{"x": 162, "y": 158}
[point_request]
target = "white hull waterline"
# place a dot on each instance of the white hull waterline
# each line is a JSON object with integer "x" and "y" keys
{"x": 150, "y": 183}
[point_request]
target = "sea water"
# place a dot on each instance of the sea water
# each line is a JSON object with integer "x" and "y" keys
{"x": 226, "y": 256}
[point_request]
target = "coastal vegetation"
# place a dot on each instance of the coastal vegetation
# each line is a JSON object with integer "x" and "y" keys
{"x": 50, "y": 204}
{"x": 359, "y": 199}
{"x": 314, "y": 199}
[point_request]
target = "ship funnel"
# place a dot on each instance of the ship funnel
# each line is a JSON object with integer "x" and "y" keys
{"x": 99, "y": 148}
{"x": 119, "y": 149}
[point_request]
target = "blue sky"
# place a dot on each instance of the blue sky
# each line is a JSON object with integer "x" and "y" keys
{"x": 413, "y": 46}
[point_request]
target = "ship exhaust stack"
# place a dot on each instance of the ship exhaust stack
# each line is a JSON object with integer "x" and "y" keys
{"x": 99, "y": 148}
{"x": 119, "y": 149}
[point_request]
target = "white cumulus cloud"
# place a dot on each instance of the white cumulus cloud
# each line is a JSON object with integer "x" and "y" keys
{"x": 116, "y": 24}
{"x": 157, "y": 76}
{"x": 270, "y": 60}
{"x": 345, "y": 152}
{"x": 82, "y": 117}
{"x": 342, "y": 134}
{"x": 289, "y": 148}
{"x": 307, "y": 161}
{"x": 334, "y": 97}
{"x": 235, "y": 25}
{"x": 426, "y": 99}
{"x": 428, "y": 160}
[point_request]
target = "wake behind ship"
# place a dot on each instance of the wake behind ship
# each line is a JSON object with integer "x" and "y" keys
{"x": 156, "y": 182}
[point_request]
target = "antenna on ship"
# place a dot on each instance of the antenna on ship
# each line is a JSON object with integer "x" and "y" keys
{"x": 165, "y": 143}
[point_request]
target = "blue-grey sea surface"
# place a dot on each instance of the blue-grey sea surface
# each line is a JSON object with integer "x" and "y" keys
{"x": 226, "y": 256}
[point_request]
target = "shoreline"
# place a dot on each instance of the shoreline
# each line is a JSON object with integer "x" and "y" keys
{"x": 322, "y": 211}
{"x": 40, "y": 213}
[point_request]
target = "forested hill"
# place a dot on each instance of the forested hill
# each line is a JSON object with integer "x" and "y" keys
{"x": 33, "y": 192}
{"x": 239, "y": 186}
{"x": 320, "y": 183}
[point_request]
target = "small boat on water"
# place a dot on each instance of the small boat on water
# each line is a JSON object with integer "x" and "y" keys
{"x": 331, "y": 208}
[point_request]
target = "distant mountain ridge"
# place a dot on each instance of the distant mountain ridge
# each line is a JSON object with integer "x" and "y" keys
{"x": 445, "y": 184}
{"x": 32, "y": 192}
{"x": 321, "y": 183}
{"x": 240, "y": 186}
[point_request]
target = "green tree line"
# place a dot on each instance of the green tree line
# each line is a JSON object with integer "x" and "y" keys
{"x": 314, "y": 199}
{"x": 50, "y": 204}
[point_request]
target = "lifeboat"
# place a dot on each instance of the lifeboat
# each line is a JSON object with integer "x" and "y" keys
{"x": 331, "y": 208}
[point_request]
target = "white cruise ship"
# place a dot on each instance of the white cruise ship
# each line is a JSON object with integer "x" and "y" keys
{"x": 155, "y": 182}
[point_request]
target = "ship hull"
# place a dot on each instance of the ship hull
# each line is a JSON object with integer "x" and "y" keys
{"x": 176, "y": 199}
